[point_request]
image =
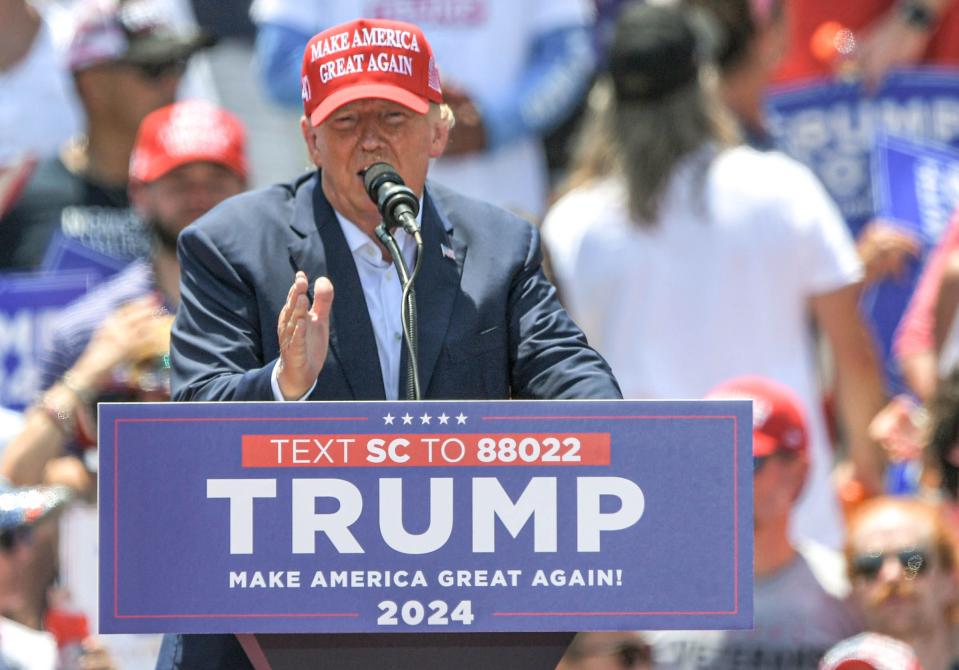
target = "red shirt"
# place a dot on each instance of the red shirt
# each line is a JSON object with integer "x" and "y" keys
{"x": 806, "y": 16}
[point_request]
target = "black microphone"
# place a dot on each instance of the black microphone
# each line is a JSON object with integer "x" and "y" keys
{"x": 397, "y": 203}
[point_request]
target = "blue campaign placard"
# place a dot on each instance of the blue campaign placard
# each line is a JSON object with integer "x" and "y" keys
{"x": 916, "y": 186}
{"x": 832, "y": 125}
{"x": 436, "y": 516}
{"x": 29, "y": 302}
{"x": 837, "y": 129}
{"x": 65, "y": 253}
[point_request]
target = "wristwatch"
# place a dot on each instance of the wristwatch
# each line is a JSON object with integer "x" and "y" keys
{"x": 917, "y": 14}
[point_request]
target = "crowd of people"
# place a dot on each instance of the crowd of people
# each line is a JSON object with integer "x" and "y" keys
{"x": 665, "y": 250}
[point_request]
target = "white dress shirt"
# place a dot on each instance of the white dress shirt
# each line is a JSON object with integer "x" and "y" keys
{"x": 383, "y": 293}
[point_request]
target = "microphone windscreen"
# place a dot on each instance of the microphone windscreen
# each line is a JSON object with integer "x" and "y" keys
{"x": 378, "y": 173}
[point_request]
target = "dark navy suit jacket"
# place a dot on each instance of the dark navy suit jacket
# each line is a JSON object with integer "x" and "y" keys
{"x": 490, "y": 325}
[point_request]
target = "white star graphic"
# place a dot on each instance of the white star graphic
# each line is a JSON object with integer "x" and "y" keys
{"x": 407, "y": 419}
{"x": 460, "y": 418}
{"x": 443, "y": 418}
{"x": 388, "y": 419}
{"x": 425, "y": 418}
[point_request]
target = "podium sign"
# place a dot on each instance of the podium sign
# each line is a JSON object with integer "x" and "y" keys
{"x": 429, "y": 517}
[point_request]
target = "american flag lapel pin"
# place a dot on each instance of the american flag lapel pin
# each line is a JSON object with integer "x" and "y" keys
{"x": 447, "y": 252}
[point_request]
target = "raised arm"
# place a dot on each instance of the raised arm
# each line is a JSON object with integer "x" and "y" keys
{"x": 858, "y": 381}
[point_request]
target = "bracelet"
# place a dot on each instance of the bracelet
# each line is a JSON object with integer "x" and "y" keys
{"x": 83, "y": 393}
{"x": 64, "y": 422}
{"x": 917, "y": 15}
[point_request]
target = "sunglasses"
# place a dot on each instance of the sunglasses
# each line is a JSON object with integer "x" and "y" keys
{"x": 157, "y": 71}
{"x": 627, "y": 655}
{"x": 914, "y": 561}
{"x": 12, "y": 537}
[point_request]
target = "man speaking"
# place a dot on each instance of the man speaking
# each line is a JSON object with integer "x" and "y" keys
{"x": 258, "y": 319}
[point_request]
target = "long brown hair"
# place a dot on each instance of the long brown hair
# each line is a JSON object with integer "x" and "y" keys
{"x": 644, "y": 141}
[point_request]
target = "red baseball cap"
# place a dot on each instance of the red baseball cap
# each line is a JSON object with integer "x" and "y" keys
{"x": 369, "y": 58}
{"x": 870, "y": 651}
{"x": 187, "y": 132}
{"x": 778, "y": 419}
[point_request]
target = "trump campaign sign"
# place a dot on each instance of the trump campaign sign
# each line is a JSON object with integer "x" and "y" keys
{"x": 916, "y": 187}
{"x": 434, "y": 516}
{"x": 29, "y": 305}
{"x": 842, "y": 132}
{"x": 832, "y": 126}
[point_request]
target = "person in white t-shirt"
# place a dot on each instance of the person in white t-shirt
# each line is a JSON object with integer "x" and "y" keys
{"x": 511, "y": 72}
{"x": 687, "y": 260}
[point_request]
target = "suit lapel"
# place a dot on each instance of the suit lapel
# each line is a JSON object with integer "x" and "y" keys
{"x": 437, "y": 286}
{"x": 321, "y": 249}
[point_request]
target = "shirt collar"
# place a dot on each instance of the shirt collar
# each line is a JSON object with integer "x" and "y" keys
{"x": 356, "y": 239}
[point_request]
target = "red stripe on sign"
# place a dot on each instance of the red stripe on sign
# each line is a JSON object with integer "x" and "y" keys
{"x": 425, "y": 450}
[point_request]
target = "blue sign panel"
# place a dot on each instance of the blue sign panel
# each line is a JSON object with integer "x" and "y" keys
{"x": 841, "y": 132}
{"x": 832, "y": 126}
{"x": 425, "y": 517}
{"x": 29, "y": 303}
{"x": 916, "y": 185}
{"x": 66, "y": 253}
{"x": 916, "y": 188}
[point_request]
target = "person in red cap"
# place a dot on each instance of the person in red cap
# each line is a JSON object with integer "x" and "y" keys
{"x": 512, "y": 72}
{"x": 112, "y": 343}
{"x": 799, "y": 603}
{"x": 490, "y": 325}
{"x": 188, "y": 157}
{"x": 902, "y": 560}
